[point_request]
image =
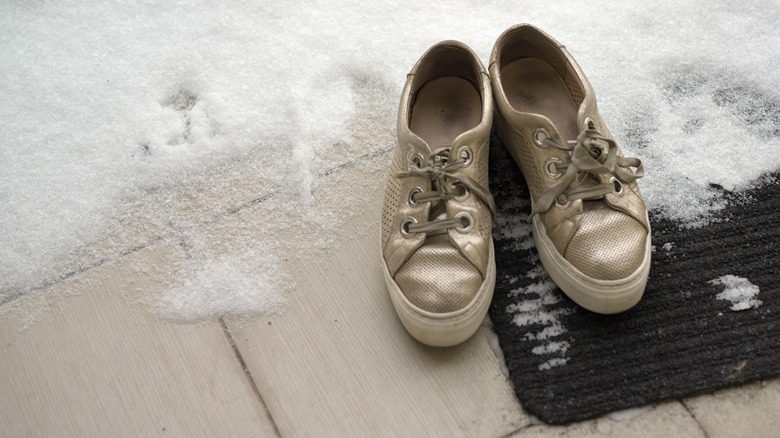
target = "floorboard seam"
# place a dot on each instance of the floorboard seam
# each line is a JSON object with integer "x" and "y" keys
{"x": 698, "y": 423}
{"x": 248, "y": 374}
{"x": 81, "y": 270}
{"x": 191, "y": 261}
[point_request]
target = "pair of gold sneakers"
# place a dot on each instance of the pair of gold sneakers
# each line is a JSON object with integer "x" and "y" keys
{"x": 590, "y": 224}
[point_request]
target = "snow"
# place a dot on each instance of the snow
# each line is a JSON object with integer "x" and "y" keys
{"x": 535, "y": 311}
{"x": 225, "y": 287}
{"x": 532, "y": 313}
{"x": 552, "y": 363}
{"x": 739, "y": 291}
{"x": 552, "y": 347}
{"x": 536, "y": 306}
{"x": 105, "y": 103}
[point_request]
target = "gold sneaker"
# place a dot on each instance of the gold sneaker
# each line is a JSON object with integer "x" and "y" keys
{"x": 590, "y": 224}
{"x": 436, "y": 243}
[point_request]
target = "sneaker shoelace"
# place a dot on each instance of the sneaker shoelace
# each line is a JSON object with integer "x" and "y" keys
{"x": 591, "y": 154}
{"x": 446, "y": 184}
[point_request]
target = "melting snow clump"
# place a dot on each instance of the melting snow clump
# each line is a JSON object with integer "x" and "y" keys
{"x": 228, "y": 287}
{"x": 740, "y": 291}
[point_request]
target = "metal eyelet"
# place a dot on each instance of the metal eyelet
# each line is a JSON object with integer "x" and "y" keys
{"x": 416, "y": 159}
{"x": 465, "y": 153}
{"x": 463, "y": 192}
{"x": 618, "y": 186}
{"x": 590, "y": 124}
{"x": 466, "y": 221}
{"x": 562, "y": 201}
{"x": 405, "y": 227}
{"x": 551, "y": 166}
{"x": 412, "y": 202}
{"x": 539, "y": 135}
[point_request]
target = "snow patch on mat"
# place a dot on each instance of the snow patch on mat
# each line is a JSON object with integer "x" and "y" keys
{"x": 739, "y": 291}
{"x": 535, "y": 312}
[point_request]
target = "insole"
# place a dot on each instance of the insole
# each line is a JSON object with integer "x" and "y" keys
{"x": 533, "y": 86}
{"x": 445, "y": 108}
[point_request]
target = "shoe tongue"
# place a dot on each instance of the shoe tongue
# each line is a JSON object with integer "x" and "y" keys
{"x": 588, "y": 181}
{"x": 595, "y": 204}
{"x": 438, "y": 212}
{"x": 438, "y": 209}
{"x": 440, "y": 156}
{"x": 440, "y": 238}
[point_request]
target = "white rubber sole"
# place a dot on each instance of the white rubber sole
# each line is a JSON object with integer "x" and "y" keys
{"x": 444, "y": 329}
{"x": 600, "y": 296}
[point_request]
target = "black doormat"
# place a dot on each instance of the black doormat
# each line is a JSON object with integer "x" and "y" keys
{"x": 684, "y": 337}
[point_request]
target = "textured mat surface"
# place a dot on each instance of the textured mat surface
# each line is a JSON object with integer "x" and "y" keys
{"x": 710, "y": 316}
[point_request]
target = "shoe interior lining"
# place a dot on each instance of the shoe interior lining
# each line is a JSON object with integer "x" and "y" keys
{"x": 534, "y": 86}
{"x": 443, "y": 109}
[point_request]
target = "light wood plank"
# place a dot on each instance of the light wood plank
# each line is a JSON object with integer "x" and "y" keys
{"x": 665, "y": 420}
{"x": 338, "y": 362}
{"x": 84, "y": 358}
{"x": 749, "y": 411}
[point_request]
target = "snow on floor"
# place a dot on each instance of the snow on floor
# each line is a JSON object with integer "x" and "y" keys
{"x": 225, "y": 287}
{"x": 104, "y": 102}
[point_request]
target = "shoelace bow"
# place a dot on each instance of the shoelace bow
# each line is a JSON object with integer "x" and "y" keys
{"x": 442, "y": 171}
{"x": 587, "y": 157}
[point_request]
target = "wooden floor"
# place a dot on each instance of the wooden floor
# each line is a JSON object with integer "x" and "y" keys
{"x": 88, "y": 353}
